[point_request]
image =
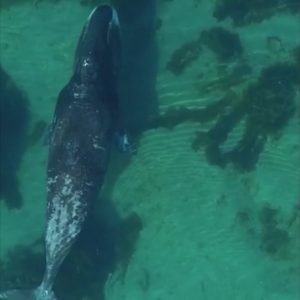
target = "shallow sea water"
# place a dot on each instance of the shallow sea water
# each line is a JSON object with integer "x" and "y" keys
{"x": 208, "y": 231}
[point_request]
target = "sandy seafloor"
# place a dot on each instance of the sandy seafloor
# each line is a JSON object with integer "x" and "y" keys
{"x": 192, "y": 246}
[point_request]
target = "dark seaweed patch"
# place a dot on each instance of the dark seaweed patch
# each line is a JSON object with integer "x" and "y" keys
{"x": 271, "y": 229}
{"x": 266, "y": 106}
{"x": 245, "y": 12}
{"x": 274, "y": 240}
{"x": 224, "y": 43}
{"x": 183, "y": 57}
{"x": 272, "y": 99}
{"x": 130, "y": 232}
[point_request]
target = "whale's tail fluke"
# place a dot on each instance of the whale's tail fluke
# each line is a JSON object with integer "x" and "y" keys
{"x": 37, "y": 294}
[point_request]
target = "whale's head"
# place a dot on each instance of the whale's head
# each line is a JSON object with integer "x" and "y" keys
{"x": 98, "y": 51}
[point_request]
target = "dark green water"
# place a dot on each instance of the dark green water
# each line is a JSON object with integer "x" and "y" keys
{"x": 208, "y": 208}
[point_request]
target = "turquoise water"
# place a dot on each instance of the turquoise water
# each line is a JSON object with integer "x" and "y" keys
{"x": 209, "y": 206}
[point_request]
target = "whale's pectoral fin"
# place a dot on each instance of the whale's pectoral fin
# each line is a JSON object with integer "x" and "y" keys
{"x": 38, "y": 294}
{"x": 124, "y": 143}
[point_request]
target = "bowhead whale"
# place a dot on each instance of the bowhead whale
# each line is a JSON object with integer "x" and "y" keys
{"x": 81, "y": 138}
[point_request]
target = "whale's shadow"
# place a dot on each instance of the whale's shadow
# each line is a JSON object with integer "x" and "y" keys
{"x": 138, "y": 97}
{"x": 14, "y": 119}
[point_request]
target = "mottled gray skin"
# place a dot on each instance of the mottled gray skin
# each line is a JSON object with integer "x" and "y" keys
{"x": 80, "y": 144}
